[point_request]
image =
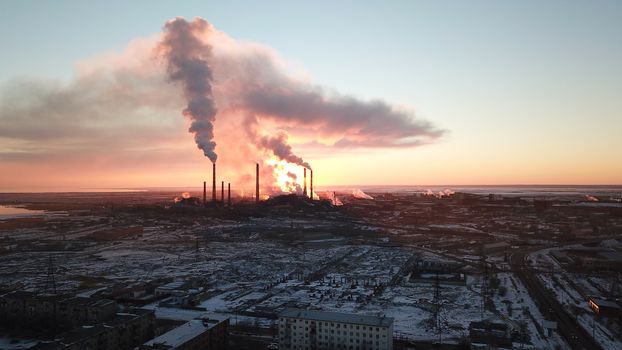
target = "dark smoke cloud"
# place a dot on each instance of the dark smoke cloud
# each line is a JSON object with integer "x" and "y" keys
{"x": 254, "y": 81}
{"x": 279, "y": 146}
{"x": 357, "y": 123}
{"x": 187, "y": 62}
{"x": 276, "y": 144}
{"x": 122, "y": 108}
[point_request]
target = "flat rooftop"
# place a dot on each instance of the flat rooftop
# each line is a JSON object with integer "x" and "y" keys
{"x": 184, "y": 333}
{"x": 316, "y": 315}
{"x": 605, "y": 303}
{"x": 612, "y": 256}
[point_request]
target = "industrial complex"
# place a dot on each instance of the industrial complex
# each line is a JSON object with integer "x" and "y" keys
{"x": 340, "y": 269}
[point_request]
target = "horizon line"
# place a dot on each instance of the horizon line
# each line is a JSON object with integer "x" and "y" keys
{"x": 321, "y": 188}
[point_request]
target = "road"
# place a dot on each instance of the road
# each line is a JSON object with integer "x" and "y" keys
{"x": 575, "y": 335}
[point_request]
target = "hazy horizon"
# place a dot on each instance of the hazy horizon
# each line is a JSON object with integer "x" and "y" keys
{"x": 378, "y": 188}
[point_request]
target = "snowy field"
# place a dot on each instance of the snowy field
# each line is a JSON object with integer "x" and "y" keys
{"x": 247, "y": 275}
{"x": 572, "y": 292}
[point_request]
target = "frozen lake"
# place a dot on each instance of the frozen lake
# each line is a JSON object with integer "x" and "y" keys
{"x": 9, "y": 212}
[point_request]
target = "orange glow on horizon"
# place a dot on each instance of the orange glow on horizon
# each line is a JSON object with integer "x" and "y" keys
{"x": 442, "y": 164}
{"x": 283, "y": 172}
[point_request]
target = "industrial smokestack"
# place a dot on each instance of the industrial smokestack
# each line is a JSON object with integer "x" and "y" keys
{"x": 229, "y": 193}
{"x": 222, "y": 192}
{"x": 257, "y": 182}
{"x": 204, "y": 192}
{"x": 311, "y": 184}
{"x": 213, "y": 182}
{"x": 305, "y": 185}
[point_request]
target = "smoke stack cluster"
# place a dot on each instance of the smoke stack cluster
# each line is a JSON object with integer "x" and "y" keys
{"x": 221, "y": 82}
{"x": 305, "y": 183}
{"x": 213, "y": 182}
{"x": 222, "y": 189}
{"x": 311, "y": 185}
{"x": 257, "y": 182}
{"x": 214, "y": 69}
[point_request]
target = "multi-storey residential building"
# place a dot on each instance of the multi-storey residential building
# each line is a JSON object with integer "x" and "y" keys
{"x": 27, "y": 309}
{"x": 126, "y": 331}
{"x": 319, "y": 330}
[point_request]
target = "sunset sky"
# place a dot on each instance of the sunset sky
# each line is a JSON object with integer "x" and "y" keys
{"x": 503, "y": 92}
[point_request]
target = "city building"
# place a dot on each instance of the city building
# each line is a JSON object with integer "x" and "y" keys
{"x": 496, "y": 247}
{"x": 486, "y": 335}
{"x": 311, "y": 329}
{"x": 23, "y": 309}
{"x": 605, "y": 308}
{"x": 204, "y": 334}
{"x": 170, "y": 288}
{"x": 125, "y": 331}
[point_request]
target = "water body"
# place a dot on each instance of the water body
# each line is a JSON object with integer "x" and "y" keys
{"x": 68, "y": 190}
{"x": 11, "y": 212}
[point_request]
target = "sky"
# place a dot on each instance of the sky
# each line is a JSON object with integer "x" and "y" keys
{"x": 524, "y": 92}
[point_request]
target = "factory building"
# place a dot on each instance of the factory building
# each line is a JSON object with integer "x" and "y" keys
{"x": 310, "y": 329}
{"x": 605, "y": 308}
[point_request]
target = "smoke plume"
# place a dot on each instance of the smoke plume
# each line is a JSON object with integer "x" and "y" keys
{"x": 440, "y": 194}
{"x": 277, "y": 144}
{"x": 120, "y": 112}
{"x": 187, "y": 57}
{"x": 358, "y": 193}
{"x": 591, "y": 198}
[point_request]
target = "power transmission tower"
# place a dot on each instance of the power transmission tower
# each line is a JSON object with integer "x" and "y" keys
{"x": 484, "y": 290}
{"x": 439, "y": 319}
{"x": 50, "y": 280}
{"x": 196, "y": 246}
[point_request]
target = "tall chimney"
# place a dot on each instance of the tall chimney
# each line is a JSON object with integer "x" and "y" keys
{"x": 204, "y": 192}
{"x": 222, "y": 191}
{"x": 229, "y": 193}
{"x": 257, "y": 182}
{"x": 311, "y": 184}
{"x": 304, "y": 191}
{"x": 213, "y": 182}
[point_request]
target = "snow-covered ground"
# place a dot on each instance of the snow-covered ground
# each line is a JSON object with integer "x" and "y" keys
{"x": 250, "y": 275}
{"x": 517, "y": 307}
{"x": 572, "y": 291}
{"x": 16, "y": 344}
